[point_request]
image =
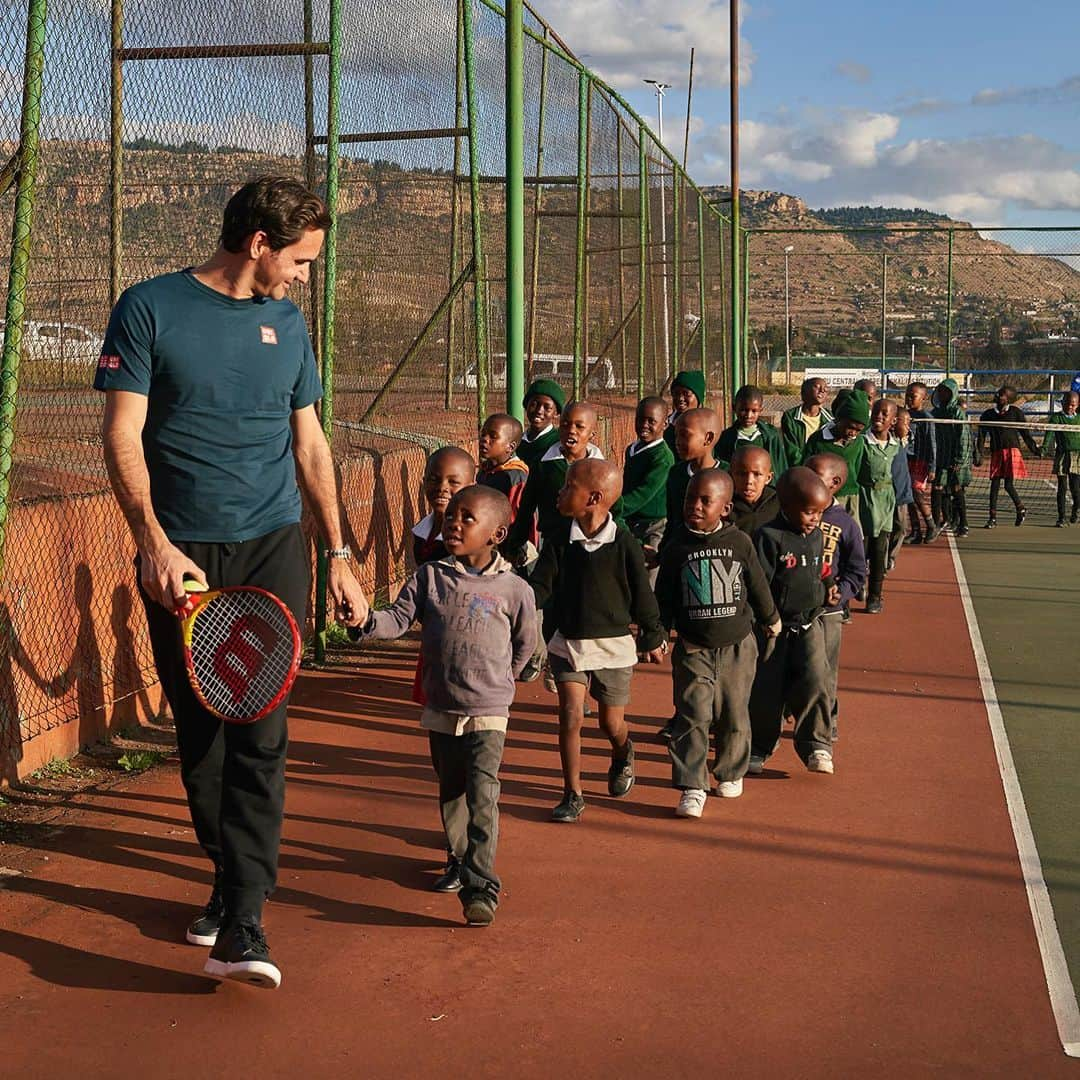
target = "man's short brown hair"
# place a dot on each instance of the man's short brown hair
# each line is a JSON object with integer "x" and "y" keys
{"x": 279, "y": 206}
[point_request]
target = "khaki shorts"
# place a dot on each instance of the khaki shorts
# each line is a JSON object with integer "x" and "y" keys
{"x": 608, "y": 686}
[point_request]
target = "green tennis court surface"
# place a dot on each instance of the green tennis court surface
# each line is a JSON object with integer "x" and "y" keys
{"x": 1025, "y": 588}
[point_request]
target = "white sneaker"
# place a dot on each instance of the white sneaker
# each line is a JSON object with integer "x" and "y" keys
{"x": 729, "y": 789}
{"x": 692, "y": 803}
{"x": 756, "y": 766}
{"x": 820, "y": 761}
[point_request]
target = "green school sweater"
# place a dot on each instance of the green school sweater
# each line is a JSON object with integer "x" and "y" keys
{"x": 544, "y": 484}
{"x": 532, "y": 452}
{"x": 793, "y": 432}
{"x": 768, "y": 439}
{"x": 645, "y": 476}
{"x": 822, "y": 442}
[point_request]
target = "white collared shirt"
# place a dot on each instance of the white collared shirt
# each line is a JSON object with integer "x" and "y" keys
{"x": 606, "y": 535}
{"x": 422, "y": 529}
{"x": 525, "y": 437}
{"x": 555, "y": 452}
{"x": 639, "y": 447}
{"x": 748, "y": 435}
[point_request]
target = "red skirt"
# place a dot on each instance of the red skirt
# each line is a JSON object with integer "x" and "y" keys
{"x": 1007, "y": 465}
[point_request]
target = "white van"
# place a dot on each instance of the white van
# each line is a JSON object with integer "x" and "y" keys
{"x": 59, "y": 341}
{"x": 557, "y": 366}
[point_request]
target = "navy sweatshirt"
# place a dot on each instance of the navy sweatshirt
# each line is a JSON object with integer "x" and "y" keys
{"x": 844, "y": 552}
{"x": 751, "y": 516}
{"x": 795, "y": 568}
{"x": 711, "y": 586}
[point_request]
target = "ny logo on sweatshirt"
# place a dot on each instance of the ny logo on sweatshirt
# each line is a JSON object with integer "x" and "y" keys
{"x": 711, "y": 587}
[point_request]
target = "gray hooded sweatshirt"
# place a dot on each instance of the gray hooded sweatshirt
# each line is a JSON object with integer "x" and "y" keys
{"x": 477, "y": 632}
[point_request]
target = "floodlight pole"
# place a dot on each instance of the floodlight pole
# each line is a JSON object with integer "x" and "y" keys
{"x": 736, "y": 277}
{"x": 660, "y": 87}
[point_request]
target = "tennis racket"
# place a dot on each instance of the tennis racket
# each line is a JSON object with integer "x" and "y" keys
{"x": 241, "y": 650}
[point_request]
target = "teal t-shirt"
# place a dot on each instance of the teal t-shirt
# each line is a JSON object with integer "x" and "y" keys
{"x": 222, "y": 378}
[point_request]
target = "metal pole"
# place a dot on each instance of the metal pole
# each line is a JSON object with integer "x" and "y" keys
{"x": 689, "y": 100}
{"x": 736, "y": 305}
{"x": 116, "y": 152}
{"x": 309, "y": 170}
{"x": 21, "y": 231}
{"x": 884, "y": 311}
{"x": 787, "y": 320}
{"x": 725, "y": 368}
{"x": 535, "y": 281}
{"x": 515, "y": 208}
{"x": 479, "y": 265}
{"x": 455, "y": 213}
{"x": 643, "y": 225}
{"x": 660, "y": 88}
{"x": 949, "y": 311}
{"x": 746, "y": 299}
{"x": 702, "y": 326}
{"x": 333, "y": 165}
{"x": 620, "y": 238}
{"x": 582, "y": 205}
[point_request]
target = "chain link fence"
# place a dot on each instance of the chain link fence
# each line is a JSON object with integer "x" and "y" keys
{"x": 151, "y": 115}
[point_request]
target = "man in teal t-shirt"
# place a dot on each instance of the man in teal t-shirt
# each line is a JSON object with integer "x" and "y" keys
{"x": 210, "y": 390}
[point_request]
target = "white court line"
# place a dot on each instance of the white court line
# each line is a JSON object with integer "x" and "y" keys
{"x": 1058, "y": 981}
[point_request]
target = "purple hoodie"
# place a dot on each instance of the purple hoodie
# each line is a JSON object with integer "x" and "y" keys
{"x": 844, "y": 552}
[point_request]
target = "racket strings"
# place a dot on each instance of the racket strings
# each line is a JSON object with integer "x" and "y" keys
{"x": 243, "y": 652}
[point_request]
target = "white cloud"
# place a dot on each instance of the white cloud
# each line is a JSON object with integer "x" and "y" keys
{"x": 625, "y": 41}
{"x": 843, "y": 157}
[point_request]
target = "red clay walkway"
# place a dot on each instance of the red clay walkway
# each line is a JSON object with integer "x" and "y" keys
{"x": 872, "y": 923}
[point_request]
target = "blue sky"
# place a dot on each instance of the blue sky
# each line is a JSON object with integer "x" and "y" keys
{"x": 967, "y": 108}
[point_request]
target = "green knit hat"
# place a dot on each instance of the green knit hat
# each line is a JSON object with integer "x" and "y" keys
{"x": 852, "y": 405}
{"x": 549, "y": 388}
{"x": 694, "y": 381}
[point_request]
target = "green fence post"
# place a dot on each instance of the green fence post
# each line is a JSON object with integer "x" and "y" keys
{"x": 701, "y": 284}
{"x": 116, "y": 151}
{"x": 736, "y": 300}
{"x": 479, "y": 264}
{"x": 534, "y": 283}
{"x": 949, "y": 310}
{"x": 459, "y": 108}
{"x": 21, "y": 230}
{"x": 725, "y": 367}
{"x": 643, "y": 225}
{"x": 582, "y": 209}
{"x": 333, "y": 164}
{"x": 745, "y": 338}
{"x": 620, "y": 240}
{"x": 676, "y": 259}
{"x": 515, "y": 208}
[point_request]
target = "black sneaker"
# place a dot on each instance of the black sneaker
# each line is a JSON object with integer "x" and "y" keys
{"x": 1021, "y": 514}
{"x": 1074, "y": 517}
{"x": 667, "y": 731}
{"x": 570, "y": 809}
{"x": 241, "y": 953}
{"x": 991, "y": 523}
{"x": 620, "y": 777}
{"x": 450, "y": 879}
{"x": 890, "y": 566}
{"x": 479, "y": 910}
{"x": 912, "y": 539}
{"x": 531, "y": 671}
{"x": 845, "y": 615}
{"x": 962, "y": 531}
{"x": 874, "y": 606}
{"x": 204, "y": 928}
{"x": 1060, "y": 523}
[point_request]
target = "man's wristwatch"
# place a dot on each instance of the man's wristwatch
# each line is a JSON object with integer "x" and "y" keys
{"x": 339, "y": 553}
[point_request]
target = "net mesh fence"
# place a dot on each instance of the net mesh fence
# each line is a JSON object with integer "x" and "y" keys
{"x": 182, "y": 106}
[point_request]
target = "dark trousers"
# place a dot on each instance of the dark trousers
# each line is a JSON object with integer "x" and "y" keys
{"x": 833, "y": 626}
{"x": 792, "y": 678}
{"x": 1070, "y": 484}
{"x": 712, "y": 692}
{"x": 950, "y": 506}
{"x": 234, "y": 774}
{"x": 877, "y": 555}
{"x": 468, "y": 768}
{"x": 1010, "y": 489}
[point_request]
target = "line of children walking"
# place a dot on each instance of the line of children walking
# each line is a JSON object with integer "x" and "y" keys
{"x": 745, "y": 540}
